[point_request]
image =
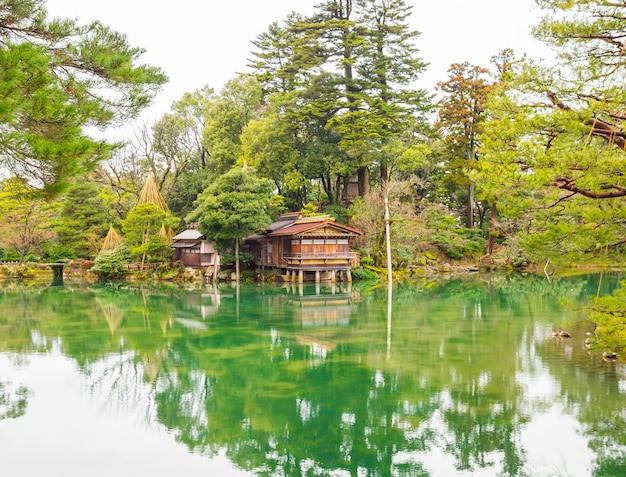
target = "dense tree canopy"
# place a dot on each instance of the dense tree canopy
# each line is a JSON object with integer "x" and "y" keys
{"x": 553, "y": 147}
{"x": 331, "y": 102}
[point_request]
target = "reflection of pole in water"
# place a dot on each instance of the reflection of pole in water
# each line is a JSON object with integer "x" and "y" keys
{"x": 389, "y": 303}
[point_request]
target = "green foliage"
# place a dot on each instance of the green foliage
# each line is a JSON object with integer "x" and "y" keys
{"x": 57, "y": 252}
{"x": 141, "y": 231}
{"x": 227, "y": 258}
{"x": 365, "y": 274}
{"x": 32, "y": 257}
{"x": 310, "y": 210}
{"x": 82, "y": 220}
{"x": 226, "y": 117}
{"x": 339, "y": 213}
{"x": 553, "y": 149}
{"x": 57, "y": 78}
{"x": 24, "y": 218}
{"x": 454, "y": 241}
{"x": 110, "y": 263}
{"x": 13, "y": 400}
{"x": 233, "y": 206}
{"x": 341, "y": 81}
{"x": 11, "y": 256}
{"x": 609, "y": 314}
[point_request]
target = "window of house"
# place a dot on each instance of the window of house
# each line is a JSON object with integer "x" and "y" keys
{"x": 270, "y": 248}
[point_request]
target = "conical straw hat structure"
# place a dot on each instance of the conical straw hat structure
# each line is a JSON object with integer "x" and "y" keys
{"x": 151, "y": 194}
{"x": 112, "y": 240}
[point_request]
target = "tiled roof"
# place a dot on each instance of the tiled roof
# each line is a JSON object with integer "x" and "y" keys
{"x": 299, "y": 228}
{"x": 189, "y": 234}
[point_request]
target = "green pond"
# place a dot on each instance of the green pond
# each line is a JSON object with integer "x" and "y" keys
{"x": 459, "y": 376}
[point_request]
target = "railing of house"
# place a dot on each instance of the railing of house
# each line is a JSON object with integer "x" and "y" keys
{"x": 303, "y": 255}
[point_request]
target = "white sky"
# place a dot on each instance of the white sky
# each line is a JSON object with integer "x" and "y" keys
{"x": 207, "y": 42}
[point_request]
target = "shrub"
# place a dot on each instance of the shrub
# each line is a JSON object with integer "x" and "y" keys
{"x": 32, "y": 257}
{"x": 59, "y": 253}
{"x": 110, "y": 263}
{"x": 228, "y": 258}
{"x": 364, "y": 274}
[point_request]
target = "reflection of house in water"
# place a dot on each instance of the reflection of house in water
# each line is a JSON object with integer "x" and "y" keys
{"x": 197, "y": 307}
{"x": 322, "y": 316}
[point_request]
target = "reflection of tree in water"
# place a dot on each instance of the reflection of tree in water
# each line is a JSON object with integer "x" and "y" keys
{"x": 13, "y": 400}
{"x": 259, "y": 387}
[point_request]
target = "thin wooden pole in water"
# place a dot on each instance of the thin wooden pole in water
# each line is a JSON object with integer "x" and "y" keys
{"x": 388, "y": 239}
{"x": 389, "y": 274}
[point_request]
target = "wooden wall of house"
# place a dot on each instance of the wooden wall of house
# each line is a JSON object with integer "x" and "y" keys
{"x": 190, "y": 259}
{"x": 273, "y": 252}
{"x": 321, "y": 245}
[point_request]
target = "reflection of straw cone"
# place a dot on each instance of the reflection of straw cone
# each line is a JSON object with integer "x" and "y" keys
{"x": 152, "y": 364}
{"x": 113, "y": 315}
{"x": 164, "y": 324}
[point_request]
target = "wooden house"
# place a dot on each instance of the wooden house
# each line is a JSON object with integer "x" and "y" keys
{"x": 191, "y": 248}
{"x": 306, "y": 247}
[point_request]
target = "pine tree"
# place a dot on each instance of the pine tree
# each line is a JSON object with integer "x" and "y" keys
{"x": 56, "y": 79}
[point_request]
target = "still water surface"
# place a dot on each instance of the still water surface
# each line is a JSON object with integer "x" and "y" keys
{"x": 460, "y": 377}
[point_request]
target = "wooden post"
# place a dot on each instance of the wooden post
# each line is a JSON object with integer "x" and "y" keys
{"x": 287, "y": 275}
{"x": 317, "y": 276}
{"x": 388, "y": 239}
{"x": 333, "y": 276}
{"x": 300, "y": 276}
{"x": 349, "y": 276}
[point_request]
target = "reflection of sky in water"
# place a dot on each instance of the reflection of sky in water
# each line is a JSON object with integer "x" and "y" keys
{"x": 71, "y": 433}
{"x": 119, "y": 415}
{"x": 59, "y": 418}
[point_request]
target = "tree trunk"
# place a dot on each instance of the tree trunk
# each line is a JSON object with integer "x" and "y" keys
{"x": 364, "y": 185}
{"x": 470, "y": 207}
{"x": 384, "y": 175}
{"x": 492, "y": 228}
{"x": 237, "y": 260}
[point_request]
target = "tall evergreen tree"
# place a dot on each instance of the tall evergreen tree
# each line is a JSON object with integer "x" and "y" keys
{"x": 461, "y": 114}
{"x": 388, "y": 65}
{"x": 352, "y": 65}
